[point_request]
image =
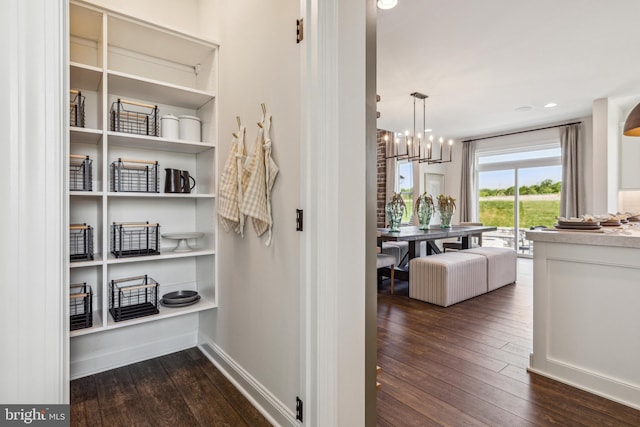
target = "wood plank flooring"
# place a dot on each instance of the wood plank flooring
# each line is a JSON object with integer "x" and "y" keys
{"x": 456, "y": 366}
{"x": 466, "y": 365}
{"x": 180, "y": 389}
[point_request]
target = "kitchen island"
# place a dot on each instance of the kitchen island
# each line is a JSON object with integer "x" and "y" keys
{"x": 586, "y": 310}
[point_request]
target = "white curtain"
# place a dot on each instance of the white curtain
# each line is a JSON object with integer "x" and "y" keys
{"x": 572, "y": 181}
{"x": 467, "y": 183}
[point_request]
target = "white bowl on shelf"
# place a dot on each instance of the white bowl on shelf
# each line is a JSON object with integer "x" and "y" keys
{"x": 183, "y": 244}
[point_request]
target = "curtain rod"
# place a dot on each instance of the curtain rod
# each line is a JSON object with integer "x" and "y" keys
{"x": 522, "y": 131}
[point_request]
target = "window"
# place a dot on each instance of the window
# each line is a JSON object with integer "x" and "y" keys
{"x": 518, "y": 188}
{"x": 404, "y": 186}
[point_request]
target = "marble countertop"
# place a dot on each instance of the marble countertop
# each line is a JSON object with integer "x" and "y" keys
{"x": 626, "y": 236}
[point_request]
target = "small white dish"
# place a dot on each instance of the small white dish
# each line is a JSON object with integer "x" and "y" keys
{"x": 183, "y": 245}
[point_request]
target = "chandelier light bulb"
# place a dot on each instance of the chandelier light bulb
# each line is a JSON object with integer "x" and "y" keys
{"x": 387, "y": 4}
{"x": 430, "y": 138}
{"x": 441, "y": 140}
{"x": 451, "y": 142}
{"x": 386, "y": 138}
{"x": 397, "y": 140}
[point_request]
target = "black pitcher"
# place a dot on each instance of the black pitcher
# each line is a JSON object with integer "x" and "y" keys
{"x": 178, "y": 181}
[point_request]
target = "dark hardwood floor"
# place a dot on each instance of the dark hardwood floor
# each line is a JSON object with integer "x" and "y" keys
{"x": 456, "y": 366}
{"x": 466, "y": 365}
{"x": 180, "y": 389}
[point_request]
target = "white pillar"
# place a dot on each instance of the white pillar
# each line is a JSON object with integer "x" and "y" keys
{"x": 33, "y": 353}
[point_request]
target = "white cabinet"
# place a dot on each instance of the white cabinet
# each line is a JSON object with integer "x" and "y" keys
{"x": 115, "y": 57}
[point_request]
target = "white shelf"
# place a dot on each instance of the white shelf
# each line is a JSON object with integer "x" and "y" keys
{"x": 166, "y": 253}
{"x": 162, "y": 195}
{"x": 129, "y": 140}
{"x": 165, "y": 313}
{"x": 85, "y": 193}
{"x": 85, "y": 135}
{"x": 85, "y": 77}
{"x": 97, "y": 260}
{"x": 116, "y": 56}
{"x": 157, "y": 42}
{"x": 156, "y": 91}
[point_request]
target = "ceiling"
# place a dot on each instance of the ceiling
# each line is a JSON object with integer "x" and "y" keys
{"x": 481, "y": 61}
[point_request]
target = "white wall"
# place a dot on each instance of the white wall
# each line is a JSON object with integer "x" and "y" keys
{"x": 182, "y": 15}
{"x": 257, "y": 324}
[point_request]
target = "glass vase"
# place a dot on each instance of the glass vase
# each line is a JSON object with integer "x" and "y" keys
{"x": 424, "y": 210}
{"x": 395, "y": 211}
{"x": 445, "y": 217}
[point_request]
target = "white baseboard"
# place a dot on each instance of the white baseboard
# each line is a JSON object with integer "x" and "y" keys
{"x": 104, "y": 361}
{"x": 276, "y": 412}
{"x": 592, "y": 382}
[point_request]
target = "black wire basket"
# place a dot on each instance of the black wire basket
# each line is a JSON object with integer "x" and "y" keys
{"x": 80, "y": 242}
{"x": 76, "y": 108}
{"x": 133, "y": 297}
{"x": 134, "y": 239}
{"x": 80, "y": 306}
{"x": 135, "y": 117}
{"x": 136, "y": 176}
{"x": 80, "y": 173}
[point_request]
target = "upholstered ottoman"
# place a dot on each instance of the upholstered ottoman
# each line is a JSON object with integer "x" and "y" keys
{"x": 447, "y": 278}
{"x": 501, "y": 265}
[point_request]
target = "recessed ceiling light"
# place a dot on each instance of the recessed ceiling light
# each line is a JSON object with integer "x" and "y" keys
{"x": 524, "y": 108}
{"x": 387, "y": 4}
{"x": 428, "y": 130}
{"x": 550, "y": 105}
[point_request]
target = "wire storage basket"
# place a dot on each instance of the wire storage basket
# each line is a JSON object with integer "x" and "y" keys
{"x": 80, "y": 242}
{"x": 137, "y": 176}
{"x": 80, "y": 306}
{"x": 76, "y": 108}
{"x": 80, "y": 173}
{"x": 134, "y": 117}
{"x": 134, "y": 239}
{"x": 133, "y": 297}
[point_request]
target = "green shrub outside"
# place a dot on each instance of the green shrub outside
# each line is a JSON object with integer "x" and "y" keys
{"x": 499, "y": 213}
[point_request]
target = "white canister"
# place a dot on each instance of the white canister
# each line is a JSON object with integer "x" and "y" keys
{"x": 190, "y": 128}
{"x": 169, "y": 127}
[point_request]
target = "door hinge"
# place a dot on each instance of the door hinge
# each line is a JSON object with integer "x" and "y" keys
{"x": 299, "y": 219}
{"x": 298, "y": 409}
{"x": 299, "y": 30}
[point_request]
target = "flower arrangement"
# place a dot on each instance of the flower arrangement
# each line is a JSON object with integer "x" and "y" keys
{"x": 424, "y": 209}
{"x": 395, "y": 211}
{"x": 446, "y": 208}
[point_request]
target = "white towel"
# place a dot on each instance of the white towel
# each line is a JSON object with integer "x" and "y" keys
{"x": 232, "y": 185}
{"x": 271, "y": 171}
{"x": 262, "y": 174}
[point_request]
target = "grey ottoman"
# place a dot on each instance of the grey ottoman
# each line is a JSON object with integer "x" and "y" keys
{"x": 501, "y": 265}
{"x": 447, "y": 278}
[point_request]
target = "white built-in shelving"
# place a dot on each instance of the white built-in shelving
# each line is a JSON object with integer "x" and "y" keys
{"x": 114, "y": 56}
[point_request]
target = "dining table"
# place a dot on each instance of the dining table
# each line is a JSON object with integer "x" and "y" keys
{"x": 413, "y": 235}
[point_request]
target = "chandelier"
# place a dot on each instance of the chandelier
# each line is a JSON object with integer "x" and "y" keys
{"x": 416, "y": 146}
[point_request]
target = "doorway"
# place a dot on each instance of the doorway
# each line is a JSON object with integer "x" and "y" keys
{"x": 518, "y": 191}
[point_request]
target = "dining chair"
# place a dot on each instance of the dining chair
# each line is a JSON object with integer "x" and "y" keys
{"x": 457, "y": 245}
{"x": 385, "y": 261}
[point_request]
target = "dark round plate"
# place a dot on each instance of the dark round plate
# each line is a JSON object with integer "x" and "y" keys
{"x": 180, "y": 304}
{"x": 179, "y": 297}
